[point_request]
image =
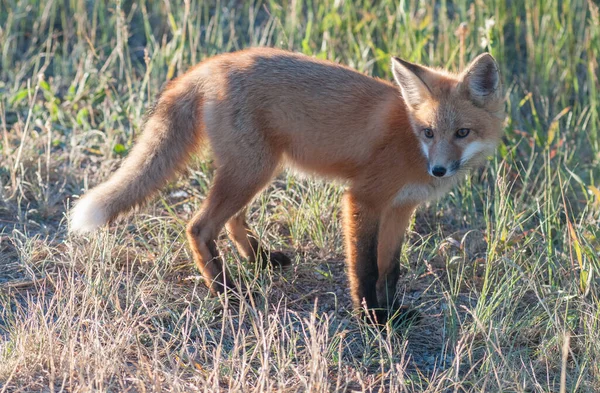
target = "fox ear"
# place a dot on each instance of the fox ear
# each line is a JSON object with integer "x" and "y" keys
{"x": 481, "y": 80}
{"x": 409, "y": 77}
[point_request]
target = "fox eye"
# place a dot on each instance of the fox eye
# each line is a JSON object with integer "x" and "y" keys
{"x": 428, "y": 132}
{"x": 463, "y": 132}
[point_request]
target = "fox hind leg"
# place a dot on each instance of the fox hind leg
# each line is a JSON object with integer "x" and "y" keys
{"x": 248, "y": 244}
{"x": 235, "y": 184}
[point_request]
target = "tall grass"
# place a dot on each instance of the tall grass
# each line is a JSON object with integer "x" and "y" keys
{"x": 504, "y": 269}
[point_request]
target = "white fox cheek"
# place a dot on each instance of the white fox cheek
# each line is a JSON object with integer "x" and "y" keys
{"x": 477, "y": 148}
{"x": 425, "y": 149}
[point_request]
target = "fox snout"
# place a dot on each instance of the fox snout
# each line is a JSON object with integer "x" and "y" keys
{"x": 443, "y": 170}
{"x": 443, "y": 158}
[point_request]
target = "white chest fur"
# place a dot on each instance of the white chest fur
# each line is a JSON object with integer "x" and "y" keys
{"x": 418, "y": 193}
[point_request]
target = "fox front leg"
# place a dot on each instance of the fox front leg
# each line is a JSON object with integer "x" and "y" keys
{"x": 361, "y": 226}
{"x": 394, "y": 222}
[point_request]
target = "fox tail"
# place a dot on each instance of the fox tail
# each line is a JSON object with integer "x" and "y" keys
{"x": 172, "y": 132}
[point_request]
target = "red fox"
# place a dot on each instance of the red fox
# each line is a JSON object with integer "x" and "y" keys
{"x": 393, "y": 146}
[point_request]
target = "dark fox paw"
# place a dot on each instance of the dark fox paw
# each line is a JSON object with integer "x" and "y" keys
{"x": 279, "y": 259}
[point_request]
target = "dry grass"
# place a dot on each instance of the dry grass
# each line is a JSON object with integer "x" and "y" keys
{"x": 504, "y": 269}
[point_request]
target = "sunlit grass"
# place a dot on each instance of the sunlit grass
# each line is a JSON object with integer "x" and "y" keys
{"x": 504, "y": 269}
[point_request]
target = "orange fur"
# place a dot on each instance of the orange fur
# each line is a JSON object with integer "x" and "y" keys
{"x": 259, "y": 108}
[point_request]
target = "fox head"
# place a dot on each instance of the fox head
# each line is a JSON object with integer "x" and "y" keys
{"x": 457, "y": 118}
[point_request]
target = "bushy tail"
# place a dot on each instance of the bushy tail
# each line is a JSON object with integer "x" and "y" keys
{"x": 173, "y": 131}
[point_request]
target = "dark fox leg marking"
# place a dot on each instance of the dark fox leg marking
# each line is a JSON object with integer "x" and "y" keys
{"x": 361, "y": 226}
{"x": 393, "y": 226}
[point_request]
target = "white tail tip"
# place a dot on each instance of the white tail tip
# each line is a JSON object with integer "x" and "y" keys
{"x": 87, "y": 215}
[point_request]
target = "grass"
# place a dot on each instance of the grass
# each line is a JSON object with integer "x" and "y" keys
{"x": 504, "y": 269}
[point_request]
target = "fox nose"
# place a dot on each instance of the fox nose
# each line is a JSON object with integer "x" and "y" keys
{"x": 438, "y": 171}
